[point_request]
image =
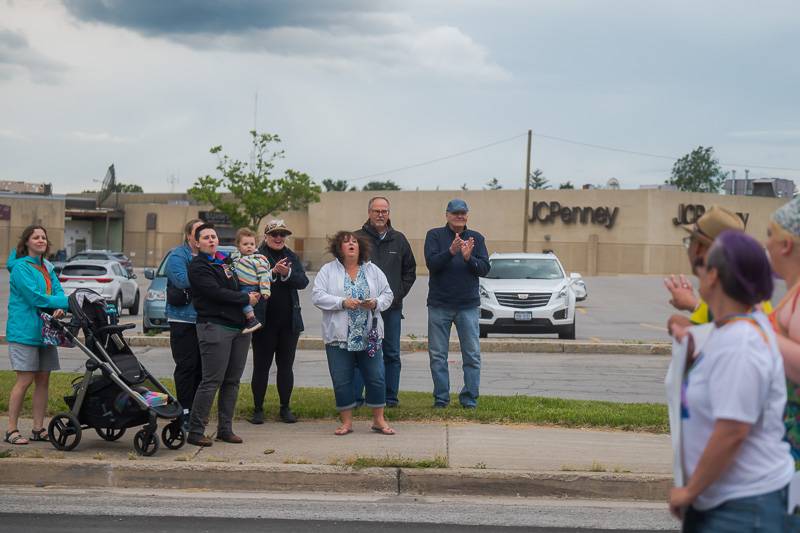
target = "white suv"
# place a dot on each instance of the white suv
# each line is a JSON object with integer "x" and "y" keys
{"x": 528, "y": 293}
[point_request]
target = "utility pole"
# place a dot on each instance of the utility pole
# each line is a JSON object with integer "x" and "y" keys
{"x": 527, "y": 195}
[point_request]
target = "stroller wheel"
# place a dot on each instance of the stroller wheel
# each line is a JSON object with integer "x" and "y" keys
{"x": 65, "y": 431}
{"x": 110, "y": 434}
{"x": 145, "y": 442}
{"x": 173, "y": 436}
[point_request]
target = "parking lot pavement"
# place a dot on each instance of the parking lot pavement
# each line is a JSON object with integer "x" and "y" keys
{"x": 619, "y": 378}
{"x": 630, "y": 307}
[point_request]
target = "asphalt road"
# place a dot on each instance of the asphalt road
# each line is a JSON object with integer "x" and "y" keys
{"x": 618, "y": 307}
{"x": 82, "y": 511}
{"x": 619, "y": 378}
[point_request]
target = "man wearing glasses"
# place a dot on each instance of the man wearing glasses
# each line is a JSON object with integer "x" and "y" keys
{"x": 456, "y": 257}
{"x": 392, "y": 254}
{"x": 701, "y": 236}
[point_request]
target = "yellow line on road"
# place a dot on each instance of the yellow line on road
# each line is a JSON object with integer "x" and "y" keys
{"x": 651, "y": 326}
{"x": 581, "y": 310}
{"x": 594, "y": 339}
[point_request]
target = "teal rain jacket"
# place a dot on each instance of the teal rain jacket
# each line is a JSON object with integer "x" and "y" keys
{"x": 29, "y": 297}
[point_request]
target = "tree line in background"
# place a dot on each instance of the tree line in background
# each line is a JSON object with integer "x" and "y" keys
{"x": 257, "y": 192}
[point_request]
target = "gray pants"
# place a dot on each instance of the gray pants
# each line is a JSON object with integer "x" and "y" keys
{"x": 223, "y": 353}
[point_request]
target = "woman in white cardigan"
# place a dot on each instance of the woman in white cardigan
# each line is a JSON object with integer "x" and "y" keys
{"x": 352, "y": 292}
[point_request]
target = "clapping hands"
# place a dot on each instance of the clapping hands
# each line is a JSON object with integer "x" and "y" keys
{"x": 463, "y": 246}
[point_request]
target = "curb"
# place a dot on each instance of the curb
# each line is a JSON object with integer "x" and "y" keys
{"x": 487, "y": 345}
{"x": 332, "y": 479}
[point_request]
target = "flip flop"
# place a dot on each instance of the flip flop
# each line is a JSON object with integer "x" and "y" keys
{"x": 386, "y": 430}
{"x": 342, "y": 431}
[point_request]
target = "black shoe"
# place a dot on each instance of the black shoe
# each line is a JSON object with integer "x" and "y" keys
{"x": 251, "y": 325}
{"x": 286, "y": 415}
{"x": 392, "y": 405}
{"x": 440, "y": 406}
{"x": 257, "y": 418}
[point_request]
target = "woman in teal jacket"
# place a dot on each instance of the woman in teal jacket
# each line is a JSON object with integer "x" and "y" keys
{"x": 34, "y": 288}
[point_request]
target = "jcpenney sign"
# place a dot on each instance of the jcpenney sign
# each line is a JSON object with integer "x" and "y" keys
{"x": 547, "y": 213}
{"x": 689, "y": 214}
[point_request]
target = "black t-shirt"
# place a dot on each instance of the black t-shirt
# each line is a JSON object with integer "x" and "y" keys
{"x": 279, "y": 304}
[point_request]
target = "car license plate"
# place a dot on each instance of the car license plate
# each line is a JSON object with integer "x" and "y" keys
{"x": 523, "y": 316}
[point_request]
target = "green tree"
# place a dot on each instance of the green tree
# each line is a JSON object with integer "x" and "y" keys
{"x": 536, "y": 180}
{"x": 127, "y": 187}
{"x": 566, "y": 185}
{"x": 493, "y": 185}
{"x": 387, "y": 185}
{"x": 698, "y": 171}
{"x": 256, "y": 192}
{"x": 336, "y": 185}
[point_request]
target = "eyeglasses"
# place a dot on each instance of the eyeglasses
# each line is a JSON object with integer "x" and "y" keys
{"x": 278, "y": 235}
{"x": 380, "y": 211}
{"x": 458, "y": 213}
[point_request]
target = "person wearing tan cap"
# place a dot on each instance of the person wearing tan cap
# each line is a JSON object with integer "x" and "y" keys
{"x": 701, "y": 236}
{"x": 282, "y": 321}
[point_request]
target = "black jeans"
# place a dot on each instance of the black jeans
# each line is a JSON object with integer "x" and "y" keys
{"x": 279, "y": 344}
{"x": 188, "y": 368}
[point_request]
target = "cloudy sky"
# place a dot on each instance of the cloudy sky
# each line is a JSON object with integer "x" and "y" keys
{"x": 360, "y": 87}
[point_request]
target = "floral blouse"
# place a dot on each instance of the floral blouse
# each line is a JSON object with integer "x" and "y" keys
{"x": 357, "y": 319}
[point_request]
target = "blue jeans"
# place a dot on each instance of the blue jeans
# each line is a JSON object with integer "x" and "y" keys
{"x": 440, "y": 321}
{"x": 247, "y": 289}
{"x": 391, "y": 358}
{"x": 342, "y": 363}
{"x": 764, "y": 513}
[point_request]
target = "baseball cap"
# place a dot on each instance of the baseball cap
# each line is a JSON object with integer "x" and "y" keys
{"x": 457, "y": 204}
{"x": 277, "y": 226}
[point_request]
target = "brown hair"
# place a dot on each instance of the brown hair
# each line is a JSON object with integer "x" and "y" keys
{"x": 187, "y": 228}
{"x": 244, "y": 232}
{"x": 22, "y": 244}
{"x": 335, "y": 246}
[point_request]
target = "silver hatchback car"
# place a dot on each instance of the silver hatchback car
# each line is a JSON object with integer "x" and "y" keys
{"x": 108, "y": 278}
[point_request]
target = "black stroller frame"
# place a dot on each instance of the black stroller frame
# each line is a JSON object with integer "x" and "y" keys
{"x": 96, "y": 398}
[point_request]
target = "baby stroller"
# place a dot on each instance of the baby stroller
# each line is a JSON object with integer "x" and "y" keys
{"x": 115, "y": 398}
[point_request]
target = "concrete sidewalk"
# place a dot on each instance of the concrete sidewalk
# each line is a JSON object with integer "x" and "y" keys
{"x": 482, "y": 459}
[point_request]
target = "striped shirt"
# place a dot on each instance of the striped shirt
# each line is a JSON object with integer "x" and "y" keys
{"x": 253, "y": 270}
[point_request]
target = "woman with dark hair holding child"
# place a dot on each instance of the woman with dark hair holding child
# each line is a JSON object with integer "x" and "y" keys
{"x": 736, "y": 462}
{"x": 223, "y": 345}
{"x": 352, "y": 292}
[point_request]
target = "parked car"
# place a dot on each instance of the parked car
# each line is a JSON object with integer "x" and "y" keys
{"x": 108, "y": 278}
{"x": 103, "y": 255}
{"x": 528, "y": 293}
{"x": 579, "y": 287}
{"x": 155, "y": 301}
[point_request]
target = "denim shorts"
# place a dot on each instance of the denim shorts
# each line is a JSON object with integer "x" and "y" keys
{"x": 25, "y": 358}
{"x": 765, "y": 513}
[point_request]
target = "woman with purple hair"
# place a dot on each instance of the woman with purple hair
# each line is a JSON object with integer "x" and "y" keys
{"x": 736, "y": 463}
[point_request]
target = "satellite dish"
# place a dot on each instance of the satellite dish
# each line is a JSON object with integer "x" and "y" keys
{"x": 109, "y": 183}
{"x": 613, "y": 184}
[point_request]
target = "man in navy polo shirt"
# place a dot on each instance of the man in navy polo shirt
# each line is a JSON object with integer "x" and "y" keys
{"x": 456, "y": 257}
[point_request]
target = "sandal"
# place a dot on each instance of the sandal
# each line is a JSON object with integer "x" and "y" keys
{"x": 15, "y": 441}
{"x": 342, "y": 431}
{"x": 385, "y": 430}
{"x": 40, "y": 435}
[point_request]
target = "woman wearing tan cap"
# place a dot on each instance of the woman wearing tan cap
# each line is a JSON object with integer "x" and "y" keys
{"x": 282, "y": 321}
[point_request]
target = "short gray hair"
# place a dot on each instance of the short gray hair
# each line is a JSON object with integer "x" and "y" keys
{"x": 369, "y": 205}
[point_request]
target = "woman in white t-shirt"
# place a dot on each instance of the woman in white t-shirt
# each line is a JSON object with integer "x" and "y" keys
{"x": 735, "y": 460}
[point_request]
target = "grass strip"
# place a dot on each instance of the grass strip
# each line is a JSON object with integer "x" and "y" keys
{"x": 310, "y": 403}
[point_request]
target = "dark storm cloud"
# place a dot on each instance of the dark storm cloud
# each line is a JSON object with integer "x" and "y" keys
{"x": 186, "y": 17}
